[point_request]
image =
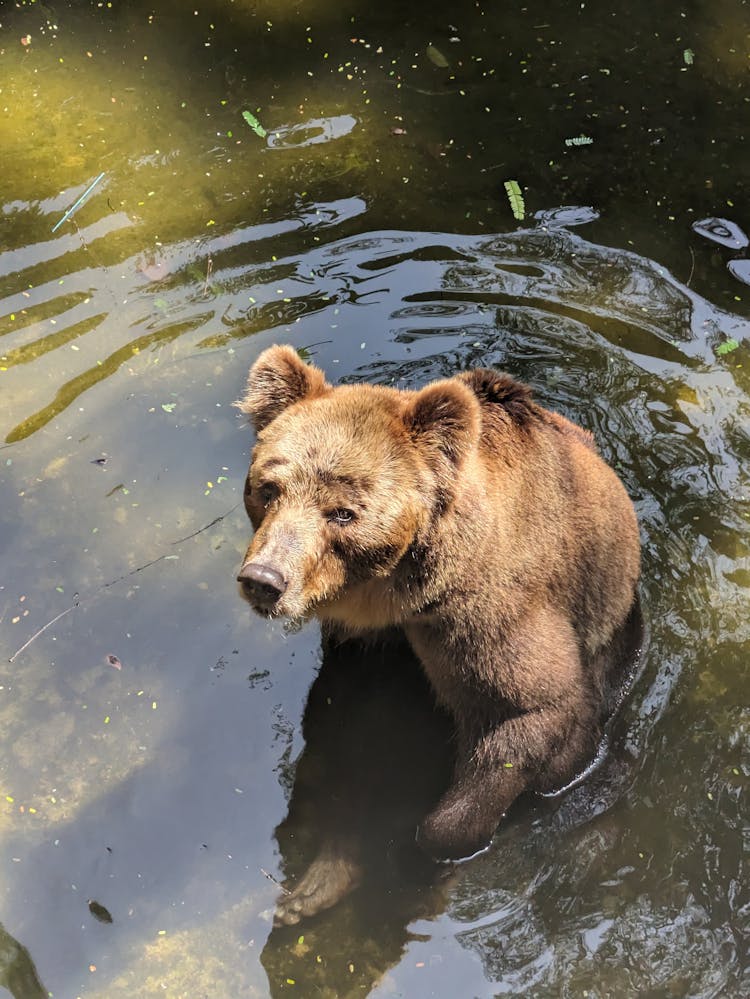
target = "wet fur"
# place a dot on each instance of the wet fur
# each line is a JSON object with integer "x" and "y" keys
{"x": 487, "y": 528}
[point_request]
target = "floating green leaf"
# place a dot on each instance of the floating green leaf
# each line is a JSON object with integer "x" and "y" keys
{"x": 254, "y": 124}
{"x": 517, "y": 204}
{"x": 168, "y": 407}
{"x": 727, "y": 346}
{"x": 436, "y": 56}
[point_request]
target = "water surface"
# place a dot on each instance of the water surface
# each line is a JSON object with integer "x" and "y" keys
{"x": 371, "y": 228}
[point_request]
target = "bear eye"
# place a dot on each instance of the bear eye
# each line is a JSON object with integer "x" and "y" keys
{"x": 268, "y": 492}
{"x": 341, "y": 517}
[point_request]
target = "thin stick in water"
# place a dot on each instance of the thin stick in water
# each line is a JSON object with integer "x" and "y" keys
{"x": 78, "y": 203}
{"x": 41, "y": 630}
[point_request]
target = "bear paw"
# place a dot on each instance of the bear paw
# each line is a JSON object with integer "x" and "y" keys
{"x": 327, "y": 880}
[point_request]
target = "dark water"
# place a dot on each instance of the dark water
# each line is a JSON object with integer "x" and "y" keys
{"x": 156, "y": 789}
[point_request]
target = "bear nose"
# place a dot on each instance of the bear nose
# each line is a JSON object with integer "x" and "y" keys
{"x": 262, "y": 584}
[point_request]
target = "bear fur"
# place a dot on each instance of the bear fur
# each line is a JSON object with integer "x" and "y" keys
{"x": 486, "y": 528}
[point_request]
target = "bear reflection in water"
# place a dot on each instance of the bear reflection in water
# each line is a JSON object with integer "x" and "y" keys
{"x": 377, "y": 757}
{"x": 484, "y": 528}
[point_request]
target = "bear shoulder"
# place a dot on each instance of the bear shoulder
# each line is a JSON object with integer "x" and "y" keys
{"x": 506, "y": 398}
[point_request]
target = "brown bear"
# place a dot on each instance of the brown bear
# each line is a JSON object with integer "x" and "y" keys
{"x": 486, "y": 528}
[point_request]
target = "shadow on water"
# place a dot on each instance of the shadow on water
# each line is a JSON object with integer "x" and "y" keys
{"x": 17, "y": 972}
{"x": 377, "y": 755}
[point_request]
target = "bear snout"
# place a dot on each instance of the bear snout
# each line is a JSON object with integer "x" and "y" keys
{"x": 262, "y": 585}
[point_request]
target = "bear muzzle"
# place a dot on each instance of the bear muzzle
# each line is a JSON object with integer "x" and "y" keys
{"x": 262, "y": 585}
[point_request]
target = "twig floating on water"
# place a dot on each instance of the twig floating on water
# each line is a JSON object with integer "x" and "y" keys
{"x": 165, "y": 558}
{"x": 78, "y": 203}
{"x": 41, "y": 630}
{"x": 200, "y": 530}
{"x": 132, "y": 572}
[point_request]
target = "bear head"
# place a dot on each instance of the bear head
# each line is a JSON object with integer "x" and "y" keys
{"x": 343, "y": 482}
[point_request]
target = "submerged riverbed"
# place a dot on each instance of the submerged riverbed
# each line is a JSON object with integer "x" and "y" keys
{"x": 152, "y": 734}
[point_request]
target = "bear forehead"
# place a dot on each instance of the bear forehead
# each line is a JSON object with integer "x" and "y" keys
{"x": 347, "y": 422}
{"x": 350, "y": 435}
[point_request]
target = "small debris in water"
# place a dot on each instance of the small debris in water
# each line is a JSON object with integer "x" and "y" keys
{"x": 99, "y": 912}
{"x": 256, "y": 126}
{"x": 436, "y": 57}
{"x": 726, "y": 347}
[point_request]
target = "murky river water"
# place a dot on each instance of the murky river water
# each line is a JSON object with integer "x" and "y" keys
{"x": 152, "y": 734}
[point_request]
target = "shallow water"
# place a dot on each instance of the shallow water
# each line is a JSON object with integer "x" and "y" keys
{"x": 156, "y": 788}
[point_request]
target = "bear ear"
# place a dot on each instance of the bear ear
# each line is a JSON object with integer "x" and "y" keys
{"x": 444, "y": 419}
{"x": 277, "y": 380}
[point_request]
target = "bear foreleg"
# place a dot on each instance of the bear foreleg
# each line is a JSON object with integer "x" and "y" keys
{"x": 531, "y": 750}
{"x": 545, "y": 725}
